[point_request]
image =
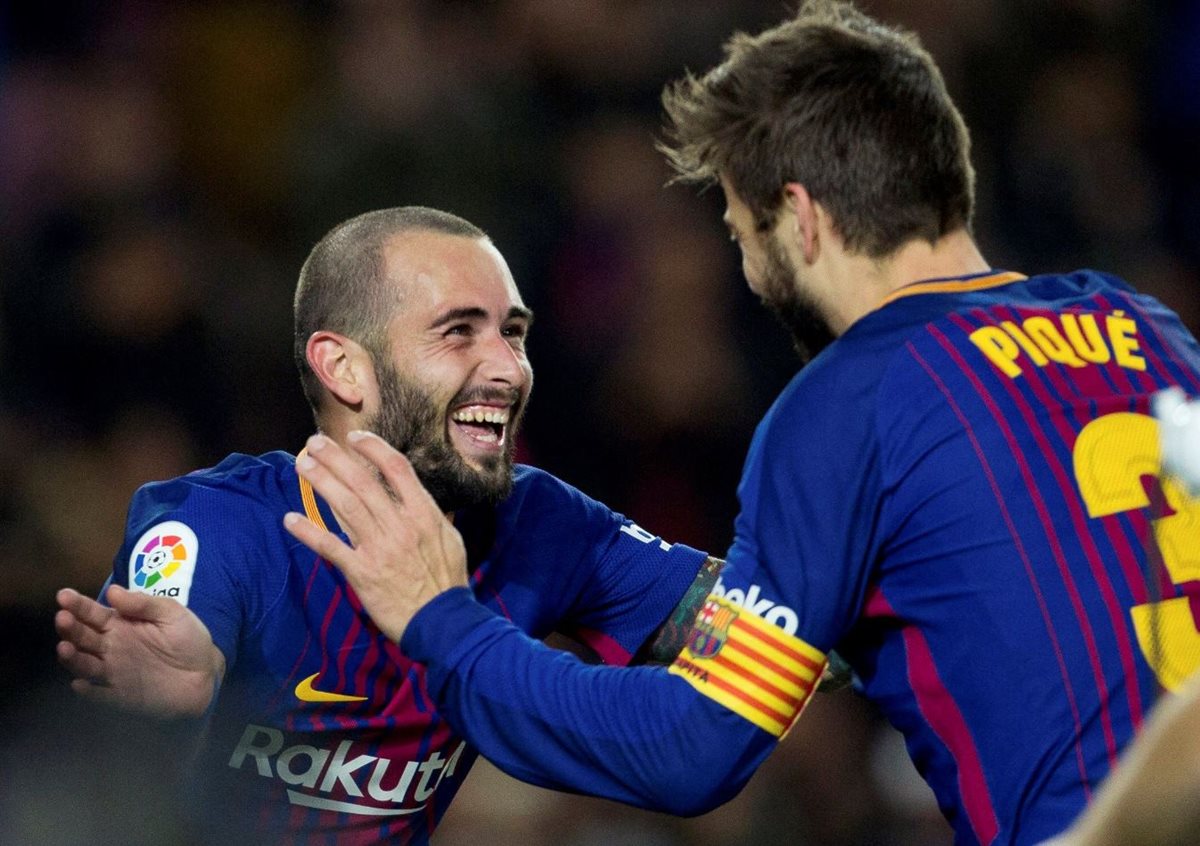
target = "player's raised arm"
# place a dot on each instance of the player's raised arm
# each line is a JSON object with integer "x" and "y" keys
{"x": 648, "y": 736}
{"x": 140, "y": 652}
{"x": 640, "y": 735}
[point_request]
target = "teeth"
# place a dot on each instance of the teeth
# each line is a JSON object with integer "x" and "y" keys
{"x": 481, "y": 415}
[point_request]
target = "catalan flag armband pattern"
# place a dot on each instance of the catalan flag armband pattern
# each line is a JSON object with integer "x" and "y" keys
{"x": 753, "y": 668}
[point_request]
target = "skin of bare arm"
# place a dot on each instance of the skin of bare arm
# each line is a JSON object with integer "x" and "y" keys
{"x": 1151, "y": 798}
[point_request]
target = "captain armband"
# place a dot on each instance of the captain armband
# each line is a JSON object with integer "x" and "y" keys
{"x": 753, "y": 668}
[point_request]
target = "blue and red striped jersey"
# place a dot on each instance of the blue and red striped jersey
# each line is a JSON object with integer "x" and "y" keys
{"x": 962, "y": 495}
{"x": 323, "y": 731}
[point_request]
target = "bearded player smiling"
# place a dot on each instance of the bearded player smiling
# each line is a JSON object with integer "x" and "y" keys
{"x": 408, "y": 325}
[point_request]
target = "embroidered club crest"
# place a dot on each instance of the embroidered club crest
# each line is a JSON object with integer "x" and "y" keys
{"x": 711, "y": 629}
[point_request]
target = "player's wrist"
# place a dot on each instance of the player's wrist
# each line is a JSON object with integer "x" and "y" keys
{"x": 206, "y": 684}
{"x": 441, "y": 623}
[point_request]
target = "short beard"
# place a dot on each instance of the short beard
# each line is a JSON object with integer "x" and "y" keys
{"x": 409, "y": 420}
{"x": 794, "y": 308}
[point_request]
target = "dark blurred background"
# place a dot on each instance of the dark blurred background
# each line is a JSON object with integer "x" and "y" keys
{"x": 165, "y": 167}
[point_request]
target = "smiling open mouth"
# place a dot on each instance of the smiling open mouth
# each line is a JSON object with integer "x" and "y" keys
{"x": 485, "y": 425}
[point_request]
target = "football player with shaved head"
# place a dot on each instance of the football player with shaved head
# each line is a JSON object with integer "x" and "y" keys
{"x": 408, "y": 325}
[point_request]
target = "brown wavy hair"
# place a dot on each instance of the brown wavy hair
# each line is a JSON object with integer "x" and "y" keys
{"x": 854, "y": 110}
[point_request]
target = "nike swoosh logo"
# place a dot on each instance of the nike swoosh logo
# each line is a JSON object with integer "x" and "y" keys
{"x": 305, "y": 692}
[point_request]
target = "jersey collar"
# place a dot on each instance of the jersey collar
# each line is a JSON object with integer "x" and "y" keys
{"x": 309, "y": 497}
{"x": 956, "y": 285}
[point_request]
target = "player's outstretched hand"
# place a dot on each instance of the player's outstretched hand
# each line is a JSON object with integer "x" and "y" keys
{"x": 143, "y": 653}
{"x": 404, "y": 551}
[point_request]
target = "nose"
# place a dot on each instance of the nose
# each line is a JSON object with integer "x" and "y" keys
{"x": 502, "y": 363}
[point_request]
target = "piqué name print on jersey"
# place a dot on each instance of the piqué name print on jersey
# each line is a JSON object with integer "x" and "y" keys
{"x": 1068, "y": 338}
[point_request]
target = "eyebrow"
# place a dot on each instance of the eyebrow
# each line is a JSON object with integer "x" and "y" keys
{"x": 477, "y": 313}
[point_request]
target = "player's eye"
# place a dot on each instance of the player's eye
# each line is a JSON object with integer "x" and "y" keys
{"x": 459, "y": 329}
{"x": 515, "y": 330}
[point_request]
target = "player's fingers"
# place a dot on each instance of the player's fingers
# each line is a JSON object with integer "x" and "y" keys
{"x": 401, "y": 477}
{"x": 446, "y": 563}
{"x": 80, "y": 664}
{"x": 395, "y": 467}
{"x": 83, "y": 637}
{"x": 94, "y": 690}
{"x": 344, "y": 483}
{"x": 375, "y": 492}
{"x": 141, "y": 606}
{"x": 341, "y": 464}
{"x": 320, "y": 541}
{"x": 85, "y": 609}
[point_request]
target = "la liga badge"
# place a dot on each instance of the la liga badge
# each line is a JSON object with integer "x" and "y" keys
{"x": 163, "y": 561}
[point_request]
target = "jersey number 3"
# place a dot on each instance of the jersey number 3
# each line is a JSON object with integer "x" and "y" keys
{"x": 1112, "y": 455}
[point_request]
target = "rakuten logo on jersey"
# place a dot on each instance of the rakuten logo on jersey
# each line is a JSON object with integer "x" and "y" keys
{"x": 779, "y": 615}
{"x": 322, "y": 771}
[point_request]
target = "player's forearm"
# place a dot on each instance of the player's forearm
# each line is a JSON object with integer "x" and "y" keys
{"x": 669, "y": 639}
{"x": 635, "y": 735}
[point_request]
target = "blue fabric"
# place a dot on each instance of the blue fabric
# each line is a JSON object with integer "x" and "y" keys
{"x": 917, "y": 500}
{"x": 381, "y": 762}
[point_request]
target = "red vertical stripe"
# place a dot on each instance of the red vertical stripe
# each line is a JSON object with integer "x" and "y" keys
{"x": 1117, "y": 613}
{"x": 316, "y": 718}
{"x": 1048, "y": 528}
{"x": 285, "y": 689}
{"x": 347, "y": 709}
{"x": 1105, "y": 399}
{"x": 1021, "y": 551}
{"x": 944, "y": 717}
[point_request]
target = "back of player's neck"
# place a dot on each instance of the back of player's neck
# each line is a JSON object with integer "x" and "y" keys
{"x": 866, "y": 282}
{"x": 955, "y": 255}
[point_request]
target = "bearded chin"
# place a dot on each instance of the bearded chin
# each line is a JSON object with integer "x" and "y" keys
{"x": 810, "y": 333}
{"x": 453, "y": 483}
{"x": 795, "y": 310}
{"x": 409, "y": 420}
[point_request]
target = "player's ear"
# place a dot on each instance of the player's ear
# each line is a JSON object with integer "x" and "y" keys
{"x": 802, "y": 217}
{"x": 343, "y": 366}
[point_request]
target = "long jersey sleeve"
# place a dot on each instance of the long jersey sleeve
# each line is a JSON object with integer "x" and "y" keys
{"x": 962, "y": 495}
{"x": 639, "y": 735}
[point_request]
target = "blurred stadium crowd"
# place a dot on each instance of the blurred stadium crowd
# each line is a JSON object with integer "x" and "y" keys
{"x": 164, "y": 168}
